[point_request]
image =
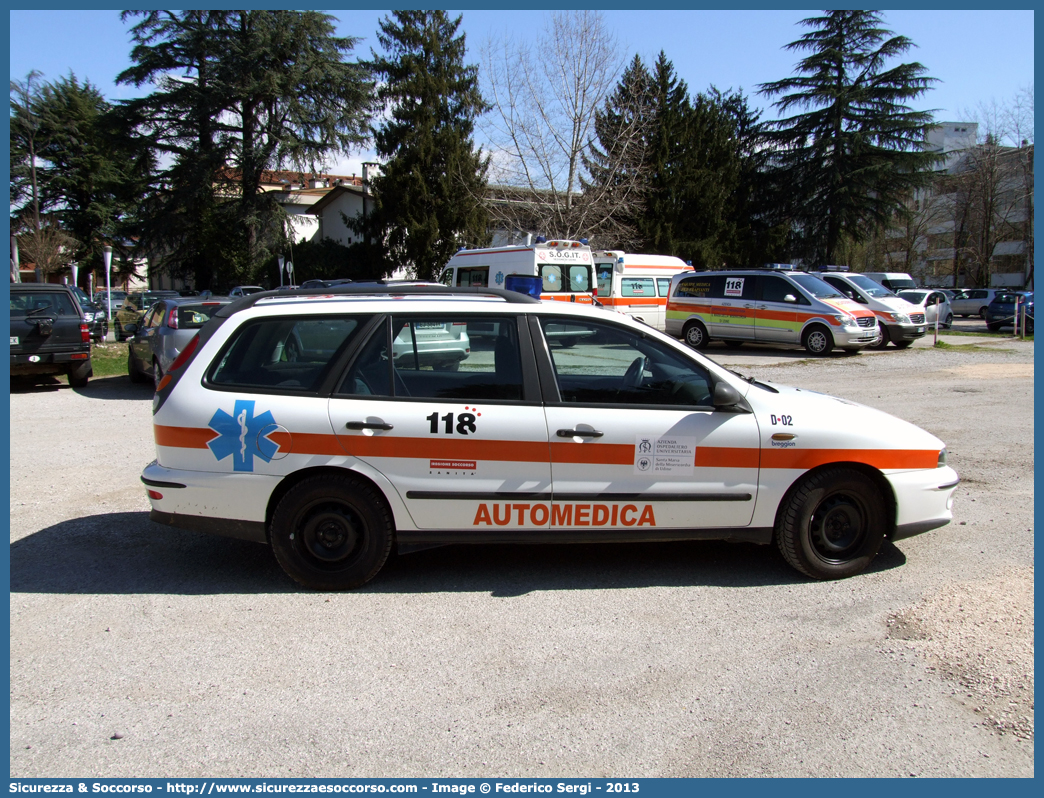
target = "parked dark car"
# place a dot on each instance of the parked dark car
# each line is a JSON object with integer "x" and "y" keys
{"x": 1001, "y": 311}
{"x": 134, "y": 307}
{"x": 49, "y": 334}
{"x": 165, "y": 329}
{"x": 93, "y": 314}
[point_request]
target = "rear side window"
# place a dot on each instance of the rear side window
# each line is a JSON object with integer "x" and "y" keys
{"x": 663, "y": 284}
{"x": 637, "y": 286}
{"x": 42, "y": 303}
{"x": 282, "y": 354}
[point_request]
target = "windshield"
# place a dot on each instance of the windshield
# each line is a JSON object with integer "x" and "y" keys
{"x": 869, "y": 287}
{"x": 916, "y": 297}
{"x": 817, "y": 287}
{"x": 605, "y": 278}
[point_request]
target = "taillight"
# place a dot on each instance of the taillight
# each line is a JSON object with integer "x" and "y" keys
{"x": 186, "y": 353}
{"x": 172, "y": 319}
{"x": 85, "y": 334}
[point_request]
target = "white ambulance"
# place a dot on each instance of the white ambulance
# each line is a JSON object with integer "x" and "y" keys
{"x": 637, "y": 284}
{"x": 297, "y": 419}
{"x": 566, "y": 268}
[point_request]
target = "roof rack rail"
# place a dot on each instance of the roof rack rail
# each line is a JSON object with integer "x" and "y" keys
{"x": 379, "y": 288}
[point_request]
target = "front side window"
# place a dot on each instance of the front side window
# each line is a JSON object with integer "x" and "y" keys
{"x": 606, "y": 364}
{"x": 282, "y": 354}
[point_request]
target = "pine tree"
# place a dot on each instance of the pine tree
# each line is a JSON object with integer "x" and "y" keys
{"x": 428, "y": 201}
{"x": 849, "y": 160}
{"x": 238, "y": 93}
{"x": 617, "y": 162}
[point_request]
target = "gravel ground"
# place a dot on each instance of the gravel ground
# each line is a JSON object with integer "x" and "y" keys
{"x": 687, "y": 659}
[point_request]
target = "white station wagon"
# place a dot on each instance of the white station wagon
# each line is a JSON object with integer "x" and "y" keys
{"x": 298, "y": 420}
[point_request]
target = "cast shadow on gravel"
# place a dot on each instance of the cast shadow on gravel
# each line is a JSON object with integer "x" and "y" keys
{"x": 124, "y": 553}
{"x": 119, "y": 388}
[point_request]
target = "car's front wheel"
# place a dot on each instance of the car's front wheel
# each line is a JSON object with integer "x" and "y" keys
{"x": 331, "y": 532}
{"x": 882, "y": 342}
{"x": 818, "y": 341}
{"x": 832, "y": 524}
{"x": 949, "y": 321}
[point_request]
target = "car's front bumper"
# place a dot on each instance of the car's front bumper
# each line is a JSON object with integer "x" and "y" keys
{"x": 924, "y": 500}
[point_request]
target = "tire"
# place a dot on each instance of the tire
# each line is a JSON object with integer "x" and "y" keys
{"x": 695, "y": 335}
{"x": 817, "y": 340}
{"x": 447, "y": 365}
{"x": 993, "y": 327}
{"x": 567, "y": 343}
{"x": 982, "y": 313}
{"x": 135, "y": 374}
{"x": 885, "y": 338}
{"x": 331, "y": 532}
{"x": 79, "y": 375}
{"x": 903, "y": 344}
{"x": 157, "y": 374}
{"x": 832, "y": 524}
{"x": 948, "y": 323}
{"x": 119, "y": 331}
{"x": 734, "y": 344}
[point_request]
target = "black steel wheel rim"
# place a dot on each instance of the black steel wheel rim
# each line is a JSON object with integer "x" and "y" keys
{"x": 838, "y": 527}
{"x": 330, "y": 533}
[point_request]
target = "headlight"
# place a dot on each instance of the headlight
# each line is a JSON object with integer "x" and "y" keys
{"x": 942, "y": 458}
{"x": 847, "y": 321}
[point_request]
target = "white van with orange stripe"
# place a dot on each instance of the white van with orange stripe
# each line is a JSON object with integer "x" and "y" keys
{"x": 302, "y": 420}
{"x": 771, "y": 306}
{"x": 566, "y": 268}
{"x": 637, "y": 284}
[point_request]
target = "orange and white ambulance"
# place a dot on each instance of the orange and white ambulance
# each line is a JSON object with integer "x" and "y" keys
{"x": 637, "y": 284}
{"x": 566, "y": 268}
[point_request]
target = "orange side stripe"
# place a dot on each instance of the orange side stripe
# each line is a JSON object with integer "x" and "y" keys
{"x": 442, "y": 449}
{"x": 183, "y": 437}
{"x": 879, "y": 458}
{"x": 635, "y": 300}
{"x": 592, "y": 453}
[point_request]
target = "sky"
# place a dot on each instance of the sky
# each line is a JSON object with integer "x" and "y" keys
{"x": 978, "y": 56}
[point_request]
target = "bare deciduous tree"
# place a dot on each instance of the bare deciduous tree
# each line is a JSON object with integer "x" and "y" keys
{"x": 543, "y": 114}
{"x": 50, "y": 248}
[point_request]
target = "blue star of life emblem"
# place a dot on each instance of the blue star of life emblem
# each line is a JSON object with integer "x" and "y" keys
{"x": 240, "y": 435}
{"x": 499, "y": 278}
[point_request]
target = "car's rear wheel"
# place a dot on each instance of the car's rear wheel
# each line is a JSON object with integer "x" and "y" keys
{"x": 331, "y": 532}
{"x": 903, "y": 344}
{"x": 695, "y": 335}
{"x": 817, "y": 340}
{"x": 157, "y": 372}
{"x": 119, "y": 331}
{"x": 832, "y": 524}
{"x": 79, "y": 375}
{"x": 135, "y": 373}
{"x": 949, "y": 321}
{"x": 982, "y": 313}
{"x": 993, "y": 327}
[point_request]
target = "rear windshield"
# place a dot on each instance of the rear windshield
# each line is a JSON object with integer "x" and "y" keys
{"x": 43, "y": 303}
{"x": 194, "y": 316}
{"x": 917, "y": 297}
{"x": 817, "y": 287}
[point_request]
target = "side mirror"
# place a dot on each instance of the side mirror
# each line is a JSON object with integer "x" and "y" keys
{"x": 725, "y": 396}
{"x": 790, "y": 298}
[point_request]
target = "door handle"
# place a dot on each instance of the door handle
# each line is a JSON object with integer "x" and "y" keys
{"x": 579, "y": 433}
{"x": 367, "y": 425}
